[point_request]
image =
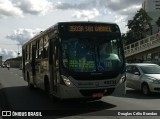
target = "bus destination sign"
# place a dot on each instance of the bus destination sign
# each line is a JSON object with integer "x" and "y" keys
{"x": 80, "y": 28}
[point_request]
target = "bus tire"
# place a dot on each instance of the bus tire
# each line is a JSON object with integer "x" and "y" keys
{"x": 31, "y": 86}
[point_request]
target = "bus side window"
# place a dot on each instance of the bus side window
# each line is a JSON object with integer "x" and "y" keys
{"x": 28, "y": 46}
{"x": 45, "y": 50}
{"x": 37, "y": 49}
{"x": 26, "y": 52}
{"x": 41, "y": 48}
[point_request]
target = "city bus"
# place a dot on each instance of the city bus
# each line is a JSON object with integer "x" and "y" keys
{"x": 75, "y": 60}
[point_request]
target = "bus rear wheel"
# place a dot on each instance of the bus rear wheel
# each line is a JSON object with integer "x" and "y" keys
{"x": 31, "y": 86}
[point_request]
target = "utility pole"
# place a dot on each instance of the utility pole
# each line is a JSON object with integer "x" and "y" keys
{"x": 0, "y": 60}
{"x": 18, "y": 50}
{"x": 20, "y": 38}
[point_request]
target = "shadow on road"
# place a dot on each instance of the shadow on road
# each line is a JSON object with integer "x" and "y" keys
{"x": 21, "y": 99}
{"x": 131, "y": 93}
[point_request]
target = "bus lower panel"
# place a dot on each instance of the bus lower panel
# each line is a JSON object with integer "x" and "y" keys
{"x": 89, "y": 93}
{"x": 66, "y": 92}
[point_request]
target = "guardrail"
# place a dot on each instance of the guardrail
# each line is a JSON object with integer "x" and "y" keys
{"x": 148, "y": 43}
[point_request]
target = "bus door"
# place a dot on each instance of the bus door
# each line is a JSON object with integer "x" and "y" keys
{"x": 33, "y": 63}
{"x": 54, "y": 64}
{"x": 23, "y": 62}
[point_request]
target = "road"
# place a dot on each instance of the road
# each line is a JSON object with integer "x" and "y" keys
{"x": 15, "y": 95}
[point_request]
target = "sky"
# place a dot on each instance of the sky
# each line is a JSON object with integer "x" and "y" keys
{"x": 20, "y": 20}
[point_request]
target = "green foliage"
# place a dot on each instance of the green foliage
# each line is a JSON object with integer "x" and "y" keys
{"x": 138, "y": 27}
{"x": 128, "y": 38}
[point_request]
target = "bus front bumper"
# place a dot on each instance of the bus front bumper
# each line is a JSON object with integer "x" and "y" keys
{"x": 74, "y": 92}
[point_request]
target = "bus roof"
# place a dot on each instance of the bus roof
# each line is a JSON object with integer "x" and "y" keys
{"x": 55, "y": 27}
{"x": 85, "y": 22}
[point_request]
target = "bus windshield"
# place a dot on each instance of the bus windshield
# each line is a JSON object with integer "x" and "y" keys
{"x": 91, "y": 54}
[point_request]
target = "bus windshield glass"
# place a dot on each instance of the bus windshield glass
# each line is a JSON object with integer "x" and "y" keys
{"x": 92, "y": 54}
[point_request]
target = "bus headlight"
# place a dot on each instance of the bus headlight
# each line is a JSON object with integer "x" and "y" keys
{"x": 122, "y": 79}
{"x": 66, "y": 81}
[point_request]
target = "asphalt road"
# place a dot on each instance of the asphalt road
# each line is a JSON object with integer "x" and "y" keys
{"x": 15, "y": 95}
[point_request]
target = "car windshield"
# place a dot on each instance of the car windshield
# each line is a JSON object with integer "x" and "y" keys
{"x": 151, "y": 69}
{"x": 88, "y": 55}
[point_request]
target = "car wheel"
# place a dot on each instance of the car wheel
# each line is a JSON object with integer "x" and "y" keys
{"x": 145, "y": 89}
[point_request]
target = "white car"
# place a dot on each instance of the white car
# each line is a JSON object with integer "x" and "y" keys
{"x": 144, "y": 77}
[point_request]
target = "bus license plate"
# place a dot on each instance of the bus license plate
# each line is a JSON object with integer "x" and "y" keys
{"x": 97, "y": 95}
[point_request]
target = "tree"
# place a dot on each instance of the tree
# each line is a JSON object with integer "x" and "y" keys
{"x": 158, "y": 23}
{"x": 138, "y": 27}
{"x": 128, "y": 37}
